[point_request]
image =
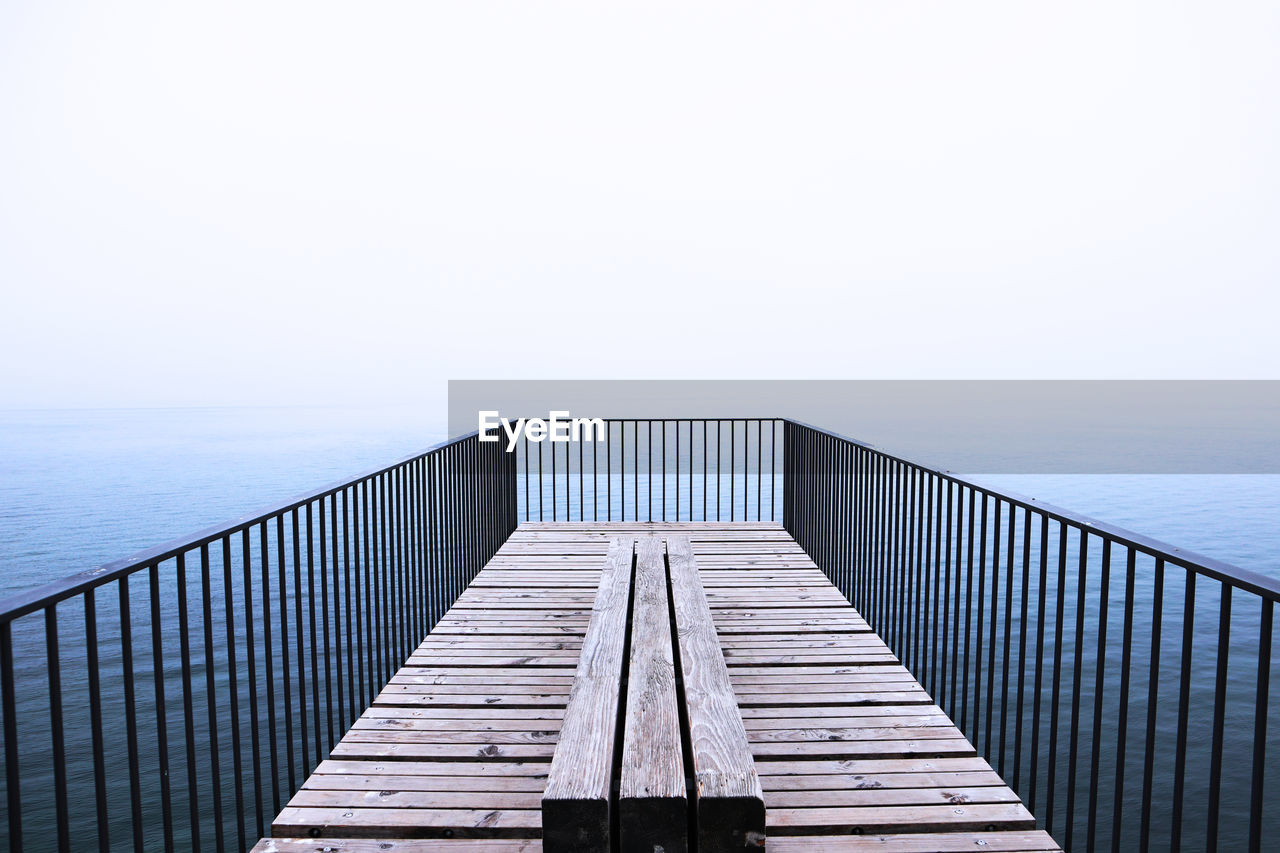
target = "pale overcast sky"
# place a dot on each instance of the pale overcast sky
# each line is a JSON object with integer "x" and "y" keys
{"x": 304, "y": 202}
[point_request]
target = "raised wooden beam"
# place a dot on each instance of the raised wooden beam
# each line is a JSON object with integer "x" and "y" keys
{"x": 728, "y": 802}
{"x": 576, "y": 803}
{"x": 652, "y": 803}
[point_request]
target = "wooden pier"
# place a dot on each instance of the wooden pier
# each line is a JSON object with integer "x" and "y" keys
{"x": 850, "y": 751}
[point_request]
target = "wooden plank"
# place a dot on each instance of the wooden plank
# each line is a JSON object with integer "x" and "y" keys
{"x": 931, "y": 842}
{"x": 407, "y": 823}
{"x": 395, "y": 845}
{"x": 576, "y": 804}
{"x": 652, "y": 802}
{"x": 729, "y": 805}
{"x": 455, "y": 753}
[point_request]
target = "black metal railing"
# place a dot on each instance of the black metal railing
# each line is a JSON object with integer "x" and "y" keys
{"x": 176, "y": 699}
{"x": 1121, "y": 685}
{"x": 660, "y": 469}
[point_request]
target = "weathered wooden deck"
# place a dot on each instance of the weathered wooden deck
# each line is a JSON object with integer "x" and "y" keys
{"x": 851, "y": 752}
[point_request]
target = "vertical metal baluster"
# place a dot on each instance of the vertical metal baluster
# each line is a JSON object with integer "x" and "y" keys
{"x": 395, "y": 511}
{"x": 663, "y": 463}
{"x": 893, "y": 551}
{"x": 233, "y": 687}
{"x": 1153, "y": 696}
{"x": 13, "y": 790}
{"x": 95, "y": 719}
{"x": 1256, "y": 800}
{"x": 370, "y": 596}
{"x": 423, "y": 577}
{"x": 677, "y": 423}
{"x": 649, "y": 462}
{"x": 847, "y": 517}
{"x": 924, "y": 521}
{"x": 690, "y": 491}
{"x": 353, "y": 626}
{"x": 1019, "y": 713}
{"x": 848, "y": 538}
{"x": 435, "y": 538}
{"x": 468, "y": 517}
{"x": 719, "y": 469}
{"x": 568, "y": 486}
{"x": 450, "y": 515}
{"x": 268, "y": 663}
{"x": 337, "y": 614}
{"x": 902, "y": 560}
{"x": 968, "y": 609}
{"x": 285, "y": 683}
{"x": 474, "y": 503}
{"x": 773, "y": 467}
{"x": 818, "y": 495}
{"x": 759, "y": 469}
{"x": 255, "y": 735}
{"x": 313, "y": 636}
{"x": 835, "y": 527}
{"x": 188, "y": 705}
{"x": 1122, "y": 723}
{"x": 995, "y": 610}
{"x": 878, "y": 547}
{"x": 935, "y": 498}
{"x": 909, "y": 557}
{"x": 991, "y": 638}
{"x": 1095, "y": 752}
{"x": 1219, "y": 719}
{"x": 383, "y": 575}
{"x": 982, "y": 600}
{"x": 453, "y": 515}
{"x": 1051, "y": 787}
{"x": 733, "y": 470}
{"x": 162, "y": 719}
{"x": 1037, "y": 695}
{"x": 1076, "y": 674}
{"x": 1184, "y": 707}
{"x": 943, "y": 682}
{"x": 56, "y": 727}
{"x": 130, "y": 714}
{"x": 407, "y": 570}
{"x": 210, "y": 686}
{"x": 1007, "y": 642}
{"x": 918, "y": 654}
{"x": 304, "y": 761}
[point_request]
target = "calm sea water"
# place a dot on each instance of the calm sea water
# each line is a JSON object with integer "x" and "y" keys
{"x": 79, "y": 488}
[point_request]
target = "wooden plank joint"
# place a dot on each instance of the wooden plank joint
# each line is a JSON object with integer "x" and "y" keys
{"x": 681, "y": 749}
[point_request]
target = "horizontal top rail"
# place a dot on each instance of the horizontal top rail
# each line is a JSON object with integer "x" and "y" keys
{"x": 1241, "y": 578}
{"x": 53, "y": 592}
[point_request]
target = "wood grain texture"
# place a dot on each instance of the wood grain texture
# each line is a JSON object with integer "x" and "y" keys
{"x": 454, "y": 754}
{"x": 652, "y": 802}
{"x": 729, "y": 804}
{"x": 576, "y": 804}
